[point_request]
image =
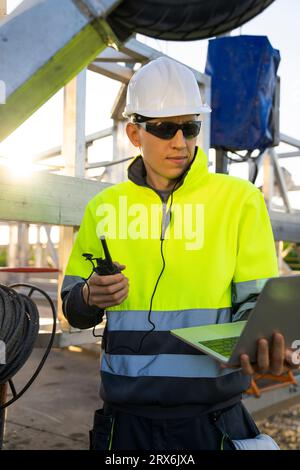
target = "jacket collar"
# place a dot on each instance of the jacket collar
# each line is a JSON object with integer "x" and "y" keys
{"x": 195, "y": 172}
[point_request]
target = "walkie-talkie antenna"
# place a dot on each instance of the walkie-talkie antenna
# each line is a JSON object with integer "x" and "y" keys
{"x": 106, "y": 252}
{"x": 103, "y": 266}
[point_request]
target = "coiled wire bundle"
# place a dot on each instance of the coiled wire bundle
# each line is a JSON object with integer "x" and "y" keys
{"x": 19, "y": 328}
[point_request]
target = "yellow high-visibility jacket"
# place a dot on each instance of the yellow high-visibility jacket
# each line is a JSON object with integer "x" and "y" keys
{"x": 218, "y": 250}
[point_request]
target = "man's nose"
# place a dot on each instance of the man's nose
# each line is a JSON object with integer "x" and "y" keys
{"x": 178, "y": 140}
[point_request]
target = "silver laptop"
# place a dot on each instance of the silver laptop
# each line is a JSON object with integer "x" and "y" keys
{"x": 277, "y": 310}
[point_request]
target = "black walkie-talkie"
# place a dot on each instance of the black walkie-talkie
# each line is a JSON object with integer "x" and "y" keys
{"x": 103, "y": 267}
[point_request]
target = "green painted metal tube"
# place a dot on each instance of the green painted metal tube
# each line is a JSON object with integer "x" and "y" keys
{"x": 54, "y": 74}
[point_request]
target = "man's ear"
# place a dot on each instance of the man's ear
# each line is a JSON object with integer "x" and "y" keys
{"x": 132, "y": 132}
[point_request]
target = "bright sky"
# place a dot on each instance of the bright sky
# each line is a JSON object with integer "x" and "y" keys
{"x": 280, "y": 22}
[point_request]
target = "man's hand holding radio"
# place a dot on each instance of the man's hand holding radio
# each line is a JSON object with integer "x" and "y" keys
{"x": 106, "y": 291}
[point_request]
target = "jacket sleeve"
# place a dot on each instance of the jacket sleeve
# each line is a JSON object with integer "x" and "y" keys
{"x": 77, "y": 312}
{"x": 256, "y": 259}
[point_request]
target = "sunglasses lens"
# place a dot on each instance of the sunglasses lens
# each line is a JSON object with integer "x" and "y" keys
{"x": 167, "y": 130}
{"x": 163, "y": 130}
{"x": 191, "y": 129}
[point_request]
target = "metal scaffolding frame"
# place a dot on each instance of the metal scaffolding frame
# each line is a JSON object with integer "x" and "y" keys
{"x": 58, "y": 40}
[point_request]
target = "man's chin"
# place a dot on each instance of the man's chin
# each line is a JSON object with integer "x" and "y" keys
{"x": 174, "y": 176}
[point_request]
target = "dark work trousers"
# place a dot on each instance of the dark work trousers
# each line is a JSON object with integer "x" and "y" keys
{"x": 212, "y": 431}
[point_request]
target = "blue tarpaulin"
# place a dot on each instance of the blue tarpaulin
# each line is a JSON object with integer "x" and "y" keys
{"x": 243, "y": 71}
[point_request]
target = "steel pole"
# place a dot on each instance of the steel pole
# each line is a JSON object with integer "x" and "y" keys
{"x": 3, "y": 394}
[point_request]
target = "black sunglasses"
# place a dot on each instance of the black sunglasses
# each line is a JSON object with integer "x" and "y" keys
{"x": 168, "y": 129}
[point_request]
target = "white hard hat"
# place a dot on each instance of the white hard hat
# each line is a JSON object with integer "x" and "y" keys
{"x": 164, "y": 88}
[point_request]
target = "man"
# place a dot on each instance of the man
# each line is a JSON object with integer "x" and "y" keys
{"x": 197, "y": 248}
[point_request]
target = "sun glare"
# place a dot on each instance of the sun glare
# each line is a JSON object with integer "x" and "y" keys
{"x": 19, "y": 165}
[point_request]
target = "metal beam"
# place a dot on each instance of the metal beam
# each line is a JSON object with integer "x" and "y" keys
{"x": 99, "y": 135}
{"x": 206, "y": 96}
{"x": 111, "y": 55}
{"x": 221, "y": 162}
{"x": 288, "y": 154}
{"x": 286, "y": 226}
{"x": 58, "y": 39}
{"x": 3, "y": 399}
{"x": 122, "y": 147}
{"x": 55, "y": 151}
{"x": 289, "y": 140}
{"x": 113, "y": 71}
{"x": 50, "y": 245}
{"x": 98, "y": 7}
{"x": 119, "y": 104}
{"x": 74, "y": 148}
{"x": 280, "y": 180}
{"x": 45, "y": 198}
{"x": 140, "y": 53}
{"x": 108, "y": 163}
{"x": 144, "y": 53}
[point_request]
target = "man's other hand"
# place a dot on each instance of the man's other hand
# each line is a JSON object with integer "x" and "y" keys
{"x": 272, "y": 357}
{"x": 106, "y": 291}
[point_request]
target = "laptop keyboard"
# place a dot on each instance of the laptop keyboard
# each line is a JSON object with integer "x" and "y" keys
{"x": 222, "y": 346}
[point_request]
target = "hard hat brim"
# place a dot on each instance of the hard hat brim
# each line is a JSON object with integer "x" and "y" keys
{"x": 204, "y": 109}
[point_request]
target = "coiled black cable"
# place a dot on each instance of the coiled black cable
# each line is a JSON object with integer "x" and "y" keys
{"x": 19, "y": 327}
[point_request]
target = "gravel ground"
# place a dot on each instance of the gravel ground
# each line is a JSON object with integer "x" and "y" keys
{"x": 284, "y": 427}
